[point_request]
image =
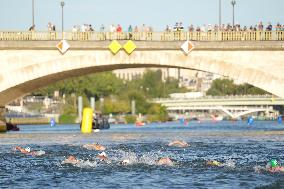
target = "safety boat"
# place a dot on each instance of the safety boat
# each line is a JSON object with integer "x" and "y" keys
{"x": 12, "y": 127}
{"x": 139, "y": 123}
{"x": 100, "y": 121}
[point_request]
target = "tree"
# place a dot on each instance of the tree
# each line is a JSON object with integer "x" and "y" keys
{"x": 222, "y": 87}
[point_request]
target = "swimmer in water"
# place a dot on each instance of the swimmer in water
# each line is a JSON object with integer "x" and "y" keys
{"x": 71, "y": 160}
{"x": 28, "y": 151}
{"x": 179, "y": 143}
{"x": 125, "y": 162}
{"x": 273, "y": 167}
{"x": 97, "y": 147}
{"x": 165, "y": 161}
{"x": 102, "y": 156}
{"x": 213, "y": 163}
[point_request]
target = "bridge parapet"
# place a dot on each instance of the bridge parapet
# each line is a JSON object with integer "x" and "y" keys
{"x": 144, "y": 36}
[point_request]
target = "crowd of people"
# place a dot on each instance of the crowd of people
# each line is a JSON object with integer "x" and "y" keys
{"x": 272, "y": 166}
{"x": 112, "y": 28}
{"x": 215, "y": 28}
{"x": 178, "y": 26}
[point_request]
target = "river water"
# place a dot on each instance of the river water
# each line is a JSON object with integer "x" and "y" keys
{"x": 243, "y": 150}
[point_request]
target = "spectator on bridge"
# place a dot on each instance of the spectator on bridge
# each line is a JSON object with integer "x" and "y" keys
{"x": 167, "y": 28}
{"x": 90, "y": 28}
{"x": 136, "y": 29}
{"x": 119, "y": 28}
{"x": 278, "y": 27}
{"x": 260, "y": 26}
{"x": 175, "y": 28}
{"x": 53, "y": 27}
{"x": 216, "y": 28}
{"x": 112, "y": 28}
{"x": 198, "y": 29}
{"x": 49, "y": 26}
{"x": 32, "y": 28}
{"x": 130, "y": 30}
{"x": 180, "y": 27}
{"x": 75, "y": 29}
{"x": 269, "y": 27}
{"x": 191, "y": 28}
{"x": 143, "y": 28}
{"x": 102, "y": 28}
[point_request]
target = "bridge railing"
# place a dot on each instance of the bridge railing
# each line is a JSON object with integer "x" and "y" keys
{"x": 235, "y": 97}
{"x": 145, "y": 36}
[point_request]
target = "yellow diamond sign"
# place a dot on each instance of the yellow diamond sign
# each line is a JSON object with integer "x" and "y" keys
{"x": 129, "y": 47}
{"x": 114, "y": 47}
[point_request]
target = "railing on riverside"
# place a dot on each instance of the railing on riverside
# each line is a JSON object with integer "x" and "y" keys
{"x": 144, "y": 36}
{"x": 235, "y": 97}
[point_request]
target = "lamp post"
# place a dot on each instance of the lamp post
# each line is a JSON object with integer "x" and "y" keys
{"x": 220, "y": 13}
{"x": 233, "y": 2}
{"x": 62, "y": 29}
{"x": 33, "y": 12}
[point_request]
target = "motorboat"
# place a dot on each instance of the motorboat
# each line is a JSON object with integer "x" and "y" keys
{"x": 139, "y": 123}
{"x": 100, "y": 121}
{"x": 12, "y": 127}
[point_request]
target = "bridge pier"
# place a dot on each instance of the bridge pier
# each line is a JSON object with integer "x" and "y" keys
{"x": 3, "y": 126}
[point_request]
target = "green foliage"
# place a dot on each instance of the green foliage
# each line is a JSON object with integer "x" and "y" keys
{"x": 117, "y": 93}
{"x": 222, "y": 87}
{"x": 157, "y": 113}
{"x": 67, "y": 118}
{"x": 130, "y": 118}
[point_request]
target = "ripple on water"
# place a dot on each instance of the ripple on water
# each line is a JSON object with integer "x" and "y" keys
{"x": 243, "y": 154}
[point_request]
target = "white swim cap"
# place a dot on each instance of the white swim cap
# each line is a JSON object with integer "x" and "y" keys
{"x": 126, "y": 161}
{"x": 103, "y": 154}
{"x": 28, "y": 149}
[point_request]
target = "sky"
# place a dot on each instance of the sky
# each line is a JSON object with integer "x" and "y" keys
{"x": 17, "y": 14}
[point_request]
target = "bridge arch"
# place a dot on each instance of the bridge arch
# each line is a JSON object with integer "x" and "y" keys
{"x": 28, "y": 70}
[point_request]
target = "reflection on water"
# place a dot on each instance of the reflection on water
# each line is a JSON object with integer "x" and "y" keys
{"x": 243, "y": 151}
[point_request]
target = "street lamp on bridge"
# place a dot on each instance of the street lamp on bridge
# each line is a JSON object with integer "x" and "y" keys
{"x": 33, "y": 12}
{"x": 62, "y": 29}
{"x": 233, "y": 2}
{"x": 220, "y": 13}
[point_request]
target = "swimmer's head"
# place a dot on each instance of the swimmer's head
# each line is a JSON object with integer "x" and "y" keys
{"x": 28, "y": 149}
{"x": 103, "y": 154}
{"x": 125, "y": 161}
{"x": 273, "y": 163}
{"x": 216, "y": 163}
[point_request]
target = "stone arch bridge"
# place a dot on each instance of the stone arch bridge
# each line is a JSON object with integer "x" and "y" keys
{"x": 28, "y": 65}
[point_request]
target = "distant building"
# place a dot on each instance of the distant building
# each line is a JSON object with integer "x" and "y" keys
{"x": 191, "y": 79}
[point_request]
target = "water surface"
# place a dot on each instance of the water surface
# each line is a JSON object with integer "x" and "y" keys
{"x": 244, "y": 151}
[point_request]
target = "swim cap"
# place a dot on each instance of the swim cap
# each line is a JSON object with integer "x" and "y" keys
{"x": 216, "y": 163}
{"x": 28, "y": 149}
{"x": 102, "y": 154}
{"x": 273, "y": 163}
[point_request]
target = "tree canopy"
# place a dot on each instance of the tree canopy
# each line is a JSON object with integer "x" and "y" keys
{"x": 223, "y": 87}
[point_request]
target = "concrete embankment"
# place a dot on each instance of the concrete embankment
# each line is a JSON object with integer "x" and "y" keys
{"x": 30, "y": 121}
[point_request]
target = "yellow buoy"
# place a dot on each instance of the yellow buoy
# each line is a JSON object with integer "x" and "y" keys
{"x": 3, "y": 127}
{"x": 87, "y": 120}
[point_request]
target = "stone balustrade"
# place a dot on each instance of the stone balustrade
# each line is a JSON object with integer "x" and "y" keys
{"x": 144, "y": 36}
